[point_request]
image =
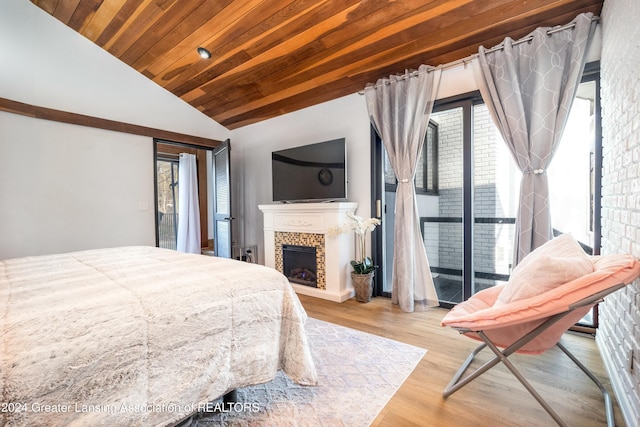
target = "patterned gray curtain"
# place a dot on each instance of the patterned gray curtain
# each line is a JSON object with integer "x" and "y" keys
{"x": 528, "y": 88}
{"x": 399, "y": 108}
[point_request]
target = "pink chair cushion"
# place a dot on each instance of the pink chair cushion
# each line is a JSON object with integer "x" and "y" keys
{"x": 558, "y": 261}
{"x": 505, "y": 323}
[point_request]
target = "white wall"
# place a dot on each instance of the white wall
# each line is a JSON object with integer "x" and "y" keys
{"x": 251, "y": 148}
{"x": 66, "y": 187}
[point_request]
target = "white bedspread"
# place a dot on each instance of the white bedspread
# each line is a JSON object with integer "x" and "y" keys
{"x": 139, "y": 335}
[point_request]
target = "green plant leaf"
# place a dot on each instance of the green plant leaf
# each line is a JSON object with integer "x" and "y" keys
{"x": 363, "y": 267}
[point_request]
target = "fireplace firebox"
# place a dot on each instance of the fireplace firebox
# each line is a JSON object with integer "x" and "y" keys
{"x": 299, "y": 265}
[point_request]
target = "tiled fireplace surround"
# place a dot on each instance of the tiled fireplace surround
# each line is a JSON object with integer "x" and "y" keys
{"x": 306, "y": 224}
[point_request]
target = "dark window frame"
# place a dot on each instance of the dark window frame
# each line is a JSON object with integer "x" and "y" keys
{"x": 429, "y": 165}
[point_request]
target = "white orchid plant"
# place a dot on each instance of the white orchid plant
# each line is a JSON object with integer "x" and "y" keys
{"x": 360, "y": 227}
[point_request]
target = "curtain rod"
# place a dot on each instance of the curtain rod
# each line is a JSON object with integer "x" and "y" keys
{"x": 471, "y": 57}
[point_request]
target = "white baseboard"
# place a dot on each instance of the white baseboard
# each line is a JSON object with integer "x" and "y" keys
{"x": 616, "y": 384}
{"x": 335, "y": 296}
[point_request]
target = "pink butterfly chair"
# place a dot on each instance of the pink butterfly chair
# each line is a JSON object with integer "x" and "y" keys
{"x": 548, "y": 292}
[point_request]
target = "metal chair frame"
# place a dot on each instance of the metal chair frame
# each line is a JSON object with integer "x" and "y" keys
{"x": 457, "y": 382}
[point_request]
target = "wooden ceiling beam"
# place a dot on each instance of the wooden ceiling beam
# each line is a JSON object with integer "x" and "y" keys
{"x": 43, "y": 113}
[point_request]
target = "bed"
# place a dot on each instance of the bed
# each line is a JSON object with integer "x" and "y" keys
{"x": 140, "y": 336}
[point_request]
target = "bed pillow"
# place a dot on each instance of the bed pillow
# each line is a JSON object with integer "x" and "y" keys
{"x": 558, "y": 261}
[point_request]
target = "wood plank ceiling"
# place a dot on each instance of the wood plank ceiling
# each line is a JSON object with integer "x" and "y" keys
{"x": 271, "y": 57}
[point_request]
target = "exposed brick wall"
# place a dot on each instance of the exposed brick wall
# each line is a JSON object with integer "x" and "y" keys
{"x": 619, "y": 330}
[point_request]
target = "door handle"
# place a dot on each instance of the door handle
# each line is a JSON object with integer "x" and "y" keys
{"x": 229, "y": 218}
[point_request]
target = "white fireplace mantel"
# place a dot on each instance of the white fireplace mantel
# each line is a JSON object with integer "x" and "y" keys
{"x": 315, "y": 218}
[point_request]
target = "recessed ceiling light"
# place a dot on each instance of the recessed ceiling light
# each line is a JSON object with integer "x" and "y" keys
{"x": 204, "y": 53}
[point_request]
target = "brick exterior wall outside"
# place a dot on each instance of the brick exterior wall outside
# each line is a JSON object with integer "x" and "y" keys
{"x": 450, "y": 185}
{"x": 619, "y": 331}
{"x": 494, "y": 169}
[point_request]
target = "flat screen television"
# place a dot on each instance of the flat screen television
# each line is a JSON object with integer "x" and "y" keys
{"x": 314, "y": 172}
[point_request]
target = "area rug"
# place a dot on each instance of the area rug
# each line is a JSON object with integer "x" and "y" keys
{"x": 357, "y": 375}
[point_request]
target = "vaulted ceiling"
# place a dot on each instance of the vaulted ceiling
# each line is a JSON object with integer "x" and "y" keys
{"x": 271, "y": 57}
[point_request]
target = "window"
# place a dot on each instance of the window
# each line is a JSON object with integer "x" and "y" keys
{"x": 575, "y": 175}
{"x": 426, "y": 179}
{"x": 574, "y": 168}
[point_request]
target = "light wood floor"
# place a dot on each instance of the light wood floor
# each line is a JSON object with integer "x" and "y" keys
{"x": 494, "y": 399}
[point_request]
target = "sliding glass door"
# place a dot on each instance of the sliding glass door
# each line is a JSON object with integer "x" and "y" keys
{"x": 496, "y": 185}
{"x": 468, "y": 201}
{"x": 467, "y": 218}
{"x": 442, "y": 214}
{"x": 443, "y": 201}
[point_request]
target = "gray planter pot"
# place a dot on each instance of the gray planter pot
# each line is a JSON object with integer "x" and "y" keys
{"x": 363, "y": 285}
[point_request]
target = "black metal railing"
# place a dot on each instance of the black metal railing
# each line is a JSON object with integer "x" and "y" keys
{"x": 482, "y": 220}
{"x": 168, "y": 230}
